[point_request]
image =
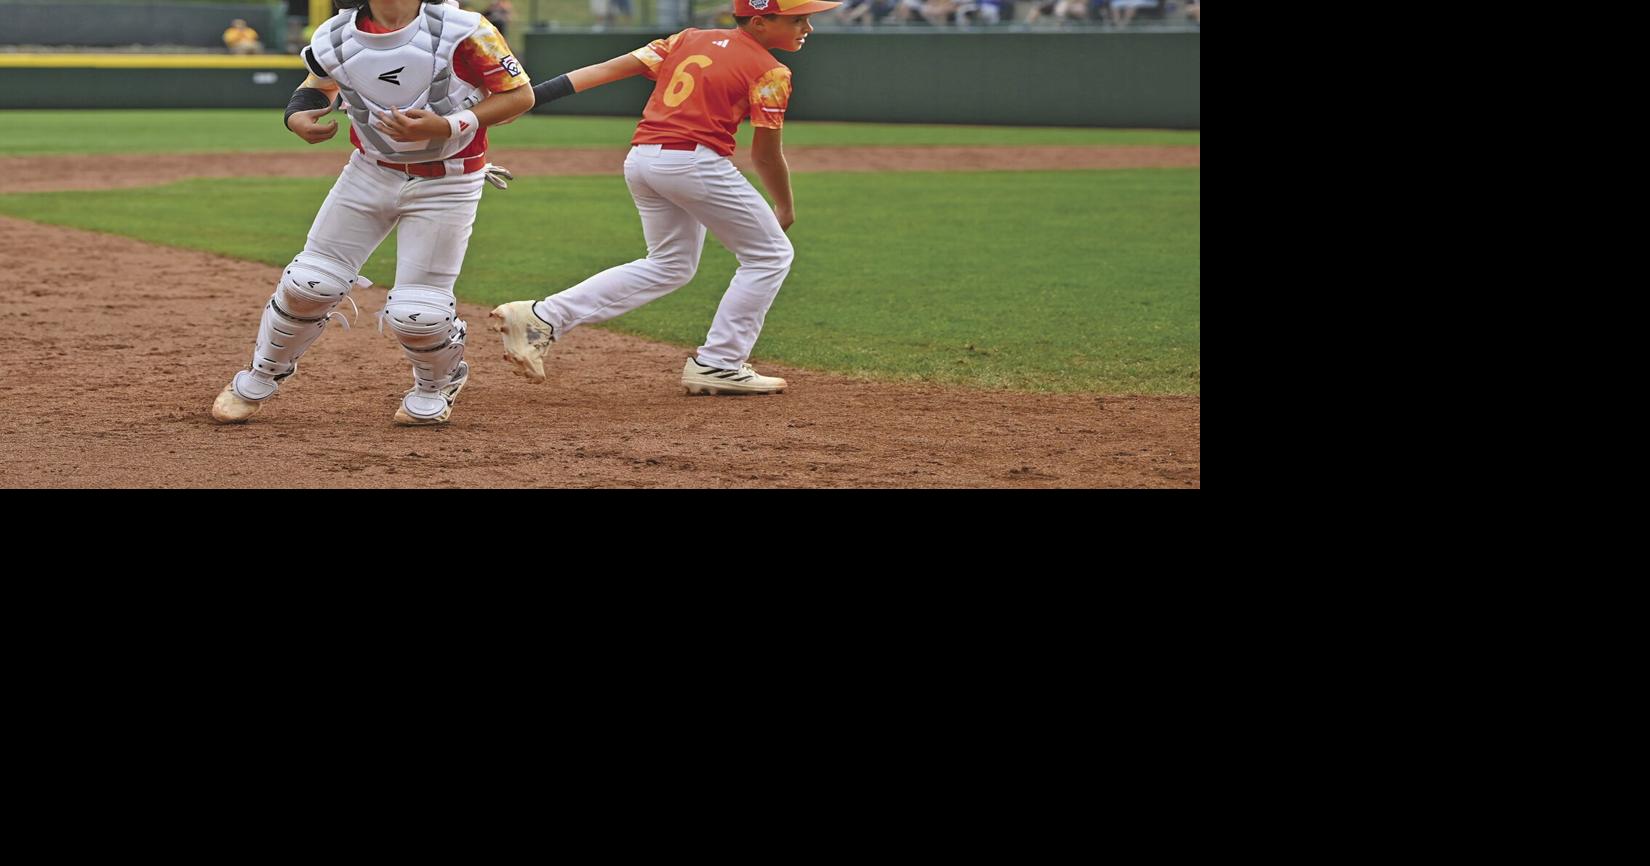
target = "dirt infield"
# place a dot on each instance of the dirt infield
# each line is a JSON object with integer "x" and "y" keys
{"x": 114, "y": 371}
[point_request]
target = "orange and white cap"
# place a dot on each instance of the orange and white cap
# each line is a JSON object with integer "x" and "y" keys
{"x": 746, "y": 8}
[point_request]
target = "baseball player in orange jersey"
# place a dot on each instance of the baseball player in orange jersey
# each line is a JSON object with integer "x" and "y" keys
{"x": 680, "y": 177}
{"x": 421, "y": 82}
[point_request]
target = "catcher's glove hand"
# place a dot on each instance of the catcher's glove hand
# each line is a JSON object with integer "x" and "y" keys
{"x": 498, "y": 175}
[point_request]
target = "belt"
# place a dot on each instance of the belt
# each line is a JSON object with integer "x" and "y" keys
{"x": 437, "y": 168}
{"x": 680, "y": 145}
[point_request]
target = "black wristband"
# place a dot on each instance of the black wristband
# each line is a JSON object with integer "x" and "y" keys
{"x": 305, "y": 99}
{"x": 553, "y": 89}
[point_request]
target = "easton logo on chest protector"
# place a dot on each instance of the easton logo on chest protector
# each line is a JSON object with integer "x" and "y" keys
{"x": 390, "y": 76}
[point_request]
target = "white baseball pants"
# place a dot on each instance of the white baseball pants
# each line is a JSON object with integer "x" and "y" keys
{"x": 679, "y": 194}
{"x": 436, "y": 216}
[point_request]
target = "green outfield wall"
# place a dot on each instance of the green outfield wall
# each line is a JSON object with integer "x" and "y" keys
{"x": 1125, "y": 80}
{"x": 106, "y": 24}
{"x": 1036, "y": 79}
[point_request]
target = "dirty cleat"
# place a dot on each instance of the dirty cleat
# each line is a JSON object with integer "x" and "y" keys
{"x": 527, "y": 337}
{"x": 245, "y": 395}
{"x": 424, "y": 408}
{"x": 699, "y": 379}
{"x": 232, "y": 408}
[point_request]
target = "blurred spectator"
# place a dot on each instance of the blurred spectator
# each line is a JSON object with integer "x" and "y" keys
{"x": 610, "y": 11}
{"x": 905, "y": 10}
{"x": 499, "y": 13}
{"x": 938, "y": 12}
{"x": 866, "y": 11}
{"x": 995, "y": 11}
{"x": 1121, "y": 12}
{"x": 1060, "y": 10}
{"x": 1194, "y": 13}
{"x": 241, "y": 39}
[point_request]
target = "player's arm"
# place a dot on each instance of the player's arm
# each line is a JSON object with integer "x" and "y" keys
{"x": 584, "y": 78}
{"x": 420, "y": 125}
{"x": 645, "y": 60}
{"x": 504, "y": 107}
{"x": 769, "y": 158}
{"x": 309, "y": 103}
{"x": 769, "y": 97}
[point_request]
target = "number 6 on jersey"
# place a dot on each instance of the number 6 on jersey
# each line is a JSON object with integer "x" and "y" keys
{"x": 681, "y": 84}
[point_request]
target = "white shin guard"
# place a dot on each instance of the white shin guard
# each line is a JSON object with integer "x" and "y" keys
{"x": 293, "y": 319}
{"x": 426, "y": 322}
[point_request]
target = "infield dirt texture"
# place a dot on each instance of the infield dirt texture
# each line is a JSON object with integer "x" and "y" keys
{"x": 118, "y": 348}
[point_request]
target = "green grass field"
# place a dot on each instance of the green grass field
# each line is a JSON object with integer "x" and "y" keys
{"x": 48, "y": 133}
{"x": 1045, "y": 281}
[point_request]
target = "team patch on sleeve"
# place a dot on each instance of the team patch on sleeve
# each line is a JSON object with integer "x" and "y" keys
{"x": 487, "y": 54}
{"x": 769, "y": 97}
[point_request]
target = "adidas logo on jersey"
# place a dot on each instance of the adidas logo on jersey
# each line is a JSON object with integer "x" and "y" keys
{"x": 390, "y": 76}
{"x": 720, "y": 43}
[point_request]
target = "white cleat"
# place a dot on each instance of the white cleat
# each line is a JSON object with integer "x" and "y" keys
{"x": 424, "y": 409}
{"x": 527, "y": 337}
{"x": 699, "y": 379}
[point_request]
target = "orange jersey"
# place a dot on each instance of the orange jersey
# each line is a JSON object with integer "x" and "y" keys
{"x": 483, "y": 60}
{"x": 709, "y": 81}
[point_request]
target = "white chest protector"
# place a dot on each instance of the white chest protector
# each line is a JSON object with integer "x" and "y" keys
{"x": 410, "y": 68}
